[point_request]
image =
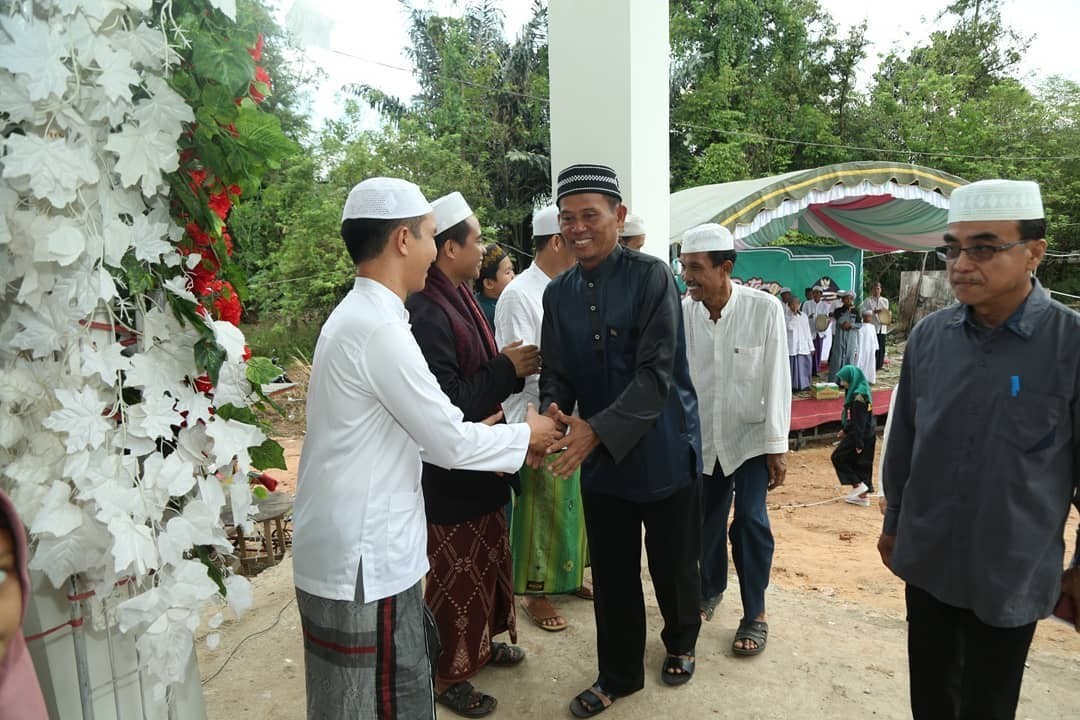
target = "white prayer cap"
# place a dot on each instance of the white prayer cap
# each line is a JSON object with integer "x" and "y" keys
{"x": 816, "y": 287}
{"x": 785, "y": 290}
{"x": 996, "y": 200}
{"x": 383, "y": 198}
{"x": 449, "y": 211}
{"x": 706, "y": 238}
{"x": 844, "y": 293}
{"x": 633, "y": 225}
{"x": 545, "y": 221}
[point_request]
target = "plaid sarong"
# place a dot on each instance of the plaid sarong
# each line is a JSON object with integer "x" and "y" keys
{"x": 368, "y": 660}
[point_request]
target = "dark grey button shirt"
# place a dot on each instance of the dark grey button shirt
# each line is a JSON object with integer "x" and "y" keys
{"x": 983, "y": 458}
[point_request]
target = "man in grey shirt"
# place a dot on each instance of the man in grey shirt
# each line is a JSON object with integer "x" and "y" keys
{"x": 983, "y": 460}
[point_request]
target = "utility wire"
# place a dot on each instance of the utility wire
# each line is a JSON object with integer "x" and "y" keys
{"x": 248, "y": 637}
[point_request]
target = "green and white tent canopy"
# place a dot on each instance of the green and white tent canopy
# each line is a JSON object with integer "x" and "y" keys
{"x": 877, "y": 206}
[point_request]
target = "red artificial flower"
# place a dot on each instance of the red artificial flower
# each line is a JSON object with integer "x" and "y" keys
{"x": 203, "y": 384}
{"x": 260, "y": 87}
{"x": 247, "y": 353}
{"x": 262, "y": 76}
{"x": 227, "y": 305}
{"x": 227, "y": 239}
{"x": 257, "y": 51}
{"x": 198, "y": 176}
{"x": 198, "y": 236}
{"x": 234, "y": 190}
{"x": 220, "y": 204}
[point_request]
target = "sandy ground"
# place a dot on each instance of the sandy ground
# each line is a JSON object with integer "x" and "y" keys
{"x": 836, "y": 646}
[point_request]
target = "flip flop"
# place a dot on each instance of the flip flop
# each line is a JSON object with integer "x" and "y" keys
{"x": 756, "y": 630}
{"x": 538, "y": 617}
{"x": 683, "y": 663}
{"x": 592, "y": 702}
{"x": 584, "y": 592}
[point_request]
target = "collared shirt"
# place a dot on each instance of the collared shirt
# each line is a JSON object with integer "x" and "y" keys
{"x": 373, "y": 410}
{"x": 800, "y": 340}
{"x": 873, "y": 305}
{"x": 821, "y": 307}
{"x": 740, "y": 368}
{"x": 613, "y": 343}
{"x": 983, "y": 458}
{"x": 518, "y": 316}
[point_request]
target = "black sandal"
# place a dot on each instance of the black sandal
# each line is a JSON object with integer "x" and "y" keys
{"x": 755, "y": 630}
{"x": 466, "y": 701}
{"x": 591, "y": 702}
{"x": 505, "y": 655}
{"x": 683, "y": 667}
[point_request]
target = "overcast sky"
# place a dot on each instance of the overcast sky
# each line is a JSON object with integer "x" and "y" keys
{"x": 364, "y": 38}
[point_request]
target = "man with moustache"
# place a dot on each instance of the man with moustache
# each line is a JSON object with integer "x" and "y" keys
{"x": 983, "y": 460}
{"x": 613, "y": 344}
{"x": 469, "y": 586}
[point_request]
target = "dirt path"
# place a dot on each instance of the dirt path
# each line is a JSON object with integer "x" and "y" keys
{"x": 836, "y": 647}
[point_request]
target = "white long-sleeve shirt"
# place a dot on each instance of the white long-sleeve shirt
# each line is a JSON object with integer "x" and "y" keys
{"x": 374, "y": 410}
{"x": 518, "y": 316}
{"x": 800, "y": 341}
{"x": 740, "y": 368}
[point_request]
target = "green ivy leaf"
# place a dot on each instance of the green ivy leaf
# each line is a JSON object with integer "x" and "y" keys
{"x": 240, "y": 414}
{"x": 261, "y": 370}
{"x": 225, "y": 62}
{"x": 260, "y": 134}
{"x": 209, "y": 357}
{"x": 220, "y": 102}
{"x": 212, "y": 570}
{"x": 268, "y": 455}
{"x": 138, "y": 278}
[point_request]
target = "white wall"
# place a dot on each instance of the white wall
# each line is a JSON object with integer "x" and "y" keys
{"x": 608, "y": 63}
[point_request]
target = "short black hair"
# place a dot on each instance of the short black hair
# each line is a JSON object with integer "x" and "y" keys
{"x": 1032, "y": 229}
{"x": 458, "y": 233}
{"x": 719, "y": 257}
{"x": 541, "y": 241}
{"x": 613, "y": 201}
{"x": 366, "y": 238}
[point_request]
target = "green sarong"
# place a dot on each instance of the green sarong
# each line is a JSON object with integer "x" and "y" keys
{"x": 547, "y": 533}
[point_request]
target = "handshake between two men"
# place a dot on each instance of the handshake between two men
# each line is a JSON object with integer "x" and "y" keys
{"x": 553, "y": 431}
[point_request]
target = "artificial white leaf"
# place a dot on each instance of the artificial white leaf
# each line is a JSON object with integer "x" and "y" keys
{"x": 148, "y": 46}
{"x": 149, "y": 239}
{"x": 143, "y": 609}
{"x": 63, "y": 245}
{"x": 165, "y": 648}
{"x": 120, "y": 499}
{"x": 194, "y": 403}
{"x": 227, "y": 7}
{"x": 215, "y": 621}
{"x": 143, "y": 153}
{"x": 116, "y": 76}
{"x": 232, "y": 386}
{"x": 17, "y": 103}
{"x": 154, "y": 417}
{"x": 58, "y": 515}
{"x": 81, "y": 549}
{"x": 232, "y": 439}
{"x": 165, "y": 109}
{"x": 211, "y": 492}
{"x": 37, "y": 466}
{"x": 54, "y": 167}
{"x": 238, "y": 593}
{"x": 156, "y": 371}
{"x": 134, "y": 549}
{"x": 213, "y": 640}
{"x": 231, "y": 340}
{"x": 19, "y": 385}
{"x": 197, "y": 526}
{"x": 35, "y": 54}
{"x": 190, "y": 586}
{"x": 181, "y": 287}
{"x": 12, "y": 429}
{"x": 171, "y": 474}
{"x": 80, "y": 417}
{"x": 192, "y": 260}
{"x": 240, "y": 501}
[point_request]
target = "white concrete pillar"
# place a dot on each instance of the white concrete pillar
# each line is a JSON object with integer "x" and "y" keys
{"x": 608, "y": 63}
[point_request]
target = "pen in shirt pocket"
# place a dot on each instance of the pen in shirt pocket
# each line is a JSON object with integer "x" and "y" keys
{"x": 1014, "y": 385}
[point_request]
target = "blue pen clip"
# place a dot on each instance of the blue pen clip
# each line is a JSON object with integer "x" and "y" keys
{"x": 1014, "y": 385}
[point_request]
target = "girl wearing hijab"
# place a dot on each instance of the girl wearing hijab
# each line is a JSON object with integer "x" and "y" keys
{"x": 853, "y": 458}
{"x": 18, "y": 682}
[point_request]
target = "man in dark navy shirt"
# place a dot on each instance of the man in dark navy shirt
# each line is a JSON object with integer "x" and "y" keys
{"x": 983, "y": 460}
{"x": 613, "y": 345}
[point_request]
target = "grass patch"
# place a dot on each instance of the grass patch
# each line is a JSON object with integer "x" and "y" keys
{"x": 282, "y": 339}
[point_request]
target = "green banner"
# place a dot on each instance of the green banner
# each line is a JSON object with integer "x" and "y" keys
{"x": 834, "y": 267}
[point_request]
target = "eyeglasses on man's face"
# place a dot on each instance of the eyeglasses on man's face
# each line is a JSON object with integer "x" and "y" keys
{"x": 978, "y": 253}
